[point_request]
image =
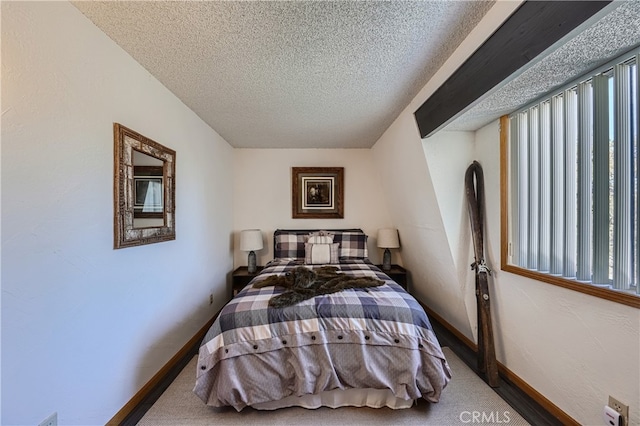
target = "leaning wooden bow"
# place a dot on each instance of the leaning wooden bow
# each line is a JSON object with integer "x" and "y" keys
{"x": 475, "y": 201}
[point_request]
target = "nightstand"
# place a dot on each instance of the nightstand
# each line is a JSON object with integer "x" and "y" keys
{"x": 241, "y": 277}
{"x": 397, "y": 273}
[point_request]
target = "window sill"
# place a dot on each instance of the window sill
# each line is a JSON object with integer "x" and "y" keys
{"x": 592, "y": 290}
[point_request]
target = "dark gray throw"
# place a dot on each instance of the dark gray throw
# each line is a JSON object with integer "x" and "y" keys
{"x": 303, "y": 283}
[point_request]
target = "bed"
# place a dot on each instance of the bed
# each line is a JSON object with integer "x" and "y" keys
{"x": 370, "y": 346}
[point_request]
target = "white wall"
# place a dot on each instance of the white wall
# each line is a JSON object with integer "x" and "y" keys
{"x": 85, "y": 326}
{"x": 262, "y": 188}
{"x": 448, "y": 155}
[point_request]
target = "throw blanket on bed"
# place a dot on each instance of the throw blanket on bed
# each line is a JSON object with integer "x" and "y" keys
{"x": 304, "y": 283}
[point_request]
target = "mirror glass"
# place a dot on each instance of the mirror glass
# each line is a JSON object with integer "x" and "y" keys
{"x": 148, "y": 206}
{"x": 144, "y": 190}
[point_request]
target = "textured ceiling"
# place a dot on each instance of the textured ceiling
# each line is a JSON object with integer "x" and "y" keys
{"x": 299, "y": 74}
{"x": 325, "y": 74}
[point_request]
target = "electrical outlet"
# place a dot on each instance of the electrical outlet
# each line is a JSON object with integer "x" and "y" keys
{"x": 52, "y": 420}
{"x": 211, "y": 299}
{"x": 620, "y": 408}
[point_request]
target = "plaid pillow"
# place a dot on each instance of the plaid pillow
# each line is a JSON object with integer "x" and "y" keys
{"x": 290, "y": 245}
{"x": 353, "y": 245}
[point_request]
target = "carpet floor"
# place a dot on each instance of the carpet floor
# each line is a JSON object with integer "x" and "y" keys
{"x": 467, "y": 399}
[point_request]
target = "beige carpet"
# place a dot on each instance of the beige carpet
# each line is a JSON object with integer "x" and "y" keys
{"x": 466, "y": 400}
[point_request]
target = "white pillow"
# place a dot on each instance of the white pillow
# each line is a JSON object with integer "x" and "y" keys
{"x": 320, "y": 254}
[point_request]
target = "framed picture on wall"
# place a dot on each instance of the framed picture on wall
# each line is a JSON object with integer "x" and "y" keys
{"x": 317, "y": 192}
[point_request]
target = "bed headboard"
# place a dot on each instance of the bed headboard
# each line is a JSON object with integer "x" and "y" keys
{"x": 290, "y": 243}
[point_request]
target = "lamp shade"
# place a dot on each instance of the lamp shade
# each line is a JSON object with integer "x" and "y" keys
{"x": 250, "y": 239}
{"x": 388, "y": 238}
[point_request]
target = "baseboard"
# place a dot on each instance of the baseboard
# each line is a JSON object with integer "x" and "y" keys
{"x": 160, "y": 375}
{"x": 464, "y": 339}
{"x": 553, "y": 409}
{"x": 507, "y": 374}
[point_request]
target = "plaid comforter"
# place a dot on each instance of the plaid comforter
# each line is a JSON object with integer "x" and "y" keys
{"x": 378, "y": 337}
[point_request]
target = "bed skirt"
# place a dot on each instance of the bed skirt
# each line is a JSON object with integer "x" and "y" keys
{"x": 372, "y": 398}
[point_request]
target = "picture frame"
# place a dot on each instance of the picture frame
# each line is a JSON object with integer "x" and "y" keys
{"x": 317, "y": 192}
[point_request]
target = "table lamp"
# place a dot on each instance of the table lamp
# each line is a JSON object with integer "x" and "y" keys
{"x": 251, "y": 240}
{"x": 387, "y": 239}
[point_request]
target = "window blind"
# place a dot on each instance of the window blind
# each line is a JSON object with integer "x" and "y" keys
{"x": 573, "y": 176}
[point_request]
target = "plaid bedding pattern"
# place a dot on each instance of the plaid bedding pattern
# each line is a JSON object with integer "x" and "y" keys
{"x": 371, "y": 319}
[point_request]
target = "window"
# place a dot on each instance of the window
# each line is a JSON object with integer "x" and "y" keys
{"x": 570, "y": 185}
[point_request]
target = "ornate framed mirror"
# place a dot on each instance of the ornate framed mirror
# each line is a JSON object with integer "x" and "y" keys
{"x": 144, "y": 189}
